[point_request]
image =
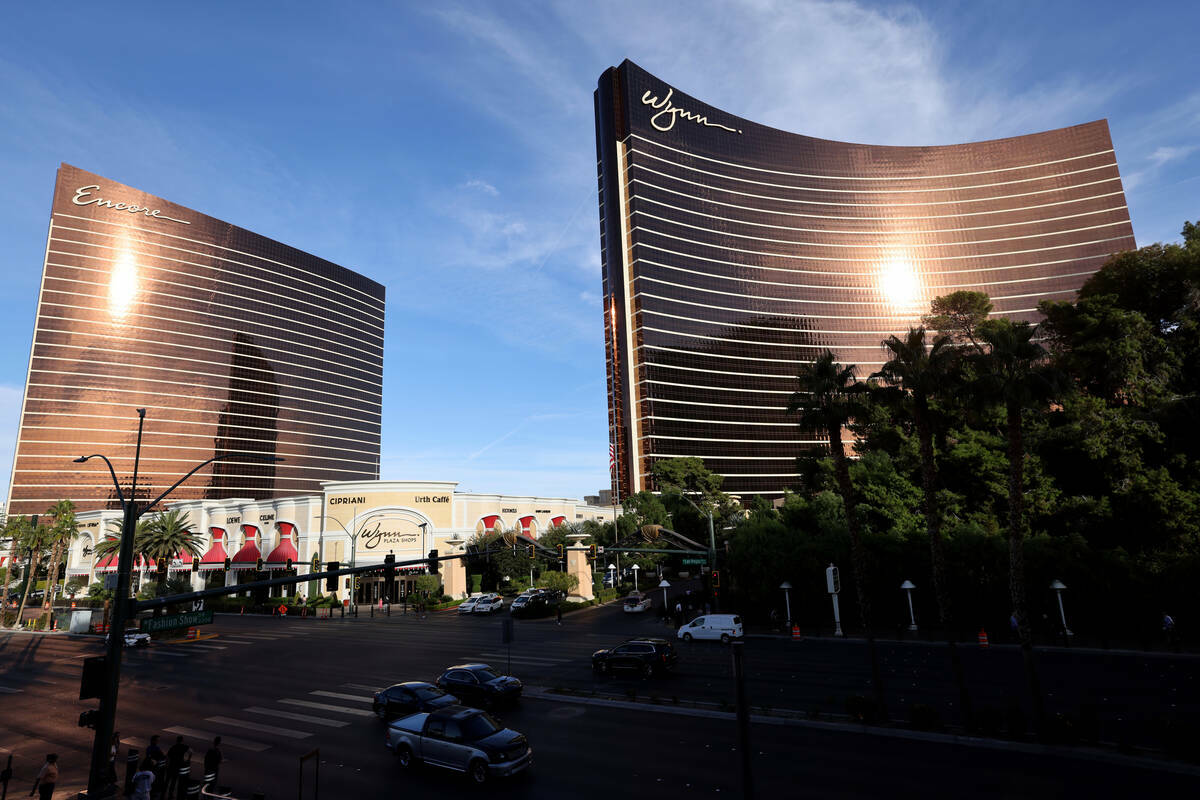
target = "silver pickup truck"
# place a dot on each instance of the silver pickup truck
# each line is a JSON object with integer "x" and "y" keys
{"x": 463, "y": 739}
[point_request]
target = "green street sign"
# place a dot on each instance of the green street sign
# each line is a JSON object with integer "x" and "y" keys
{"x": 186, "y": 620}
{"x": 696, "y": 561}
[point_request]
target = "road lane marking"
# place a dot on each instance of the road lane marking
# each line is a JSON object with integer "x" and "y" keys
{"x": 499, "y": 656}
{"x": 208, "y": 647}
{"x": 359, "y": 712}
{"x": 500, "y": 661}
{"x": 360, "y": 697}
{"x": 330, "y": 723}
{"x": 361, "y": 686}
{"x": 170, "y": 653}
{"x": 225, "y": 640}
{"x": 7, "y": 690}
{"x": 240, "y": 744}
{"x": 254, "y": 726}
{"x": 267, "y": 637}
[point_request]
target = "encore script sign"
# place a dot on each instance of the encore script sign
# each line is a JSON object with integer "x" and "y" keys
{"x": 671, "y": 112}
{"x": 84, "y": 192}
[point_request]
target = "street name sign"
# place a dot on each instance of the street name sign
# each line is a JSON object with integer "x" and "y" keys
{"x": 694, "y": 560}
{"x": 171, "y": 621}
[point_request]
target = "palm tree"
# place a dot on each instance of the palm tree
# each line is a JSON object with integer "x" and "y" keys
{"x": 168, "y": 535}
{"x": 15, "y": 530}
{"x": 33, "y": 541}
{"x": 1012, "y": 372}
{"x": 826, "y": 402}
{"x": 61, "y": 533}
{"x": 921, "y": 371}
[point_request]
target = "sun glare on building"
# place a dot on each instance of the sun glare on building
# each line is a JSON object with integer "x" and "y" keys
{"x": 898, "y": 283}
{"x": 123, "y": 286}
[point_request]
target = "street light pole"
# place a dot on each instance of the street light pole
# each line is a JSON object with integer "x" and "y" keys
{"x": 908, "y": 586}
{"x": 787, "y": 599}
{"x": 1058, "y": 587}
{"x": 123, "y": 607}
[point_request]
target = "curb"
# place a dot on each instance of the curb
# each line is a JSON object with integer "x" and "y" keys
{"x": 1077, "y": 753}
{"x": 965, "y": 645}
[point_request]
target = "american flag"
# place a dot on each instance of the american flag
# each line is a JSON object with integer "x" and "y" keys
{"x": 612, "y": 459}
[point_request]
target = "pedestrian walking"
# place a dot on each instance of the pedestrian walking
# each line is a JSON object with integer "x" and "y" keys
{"x": 47, "y": 776}
{"x": 558, "y": 612}
{"x": 143, "y": 779}
{"x": 113, "y": 745}
{"x": 1169, "y": 632}
{"x": 1014, "y": 627}
{"x": 213, "y": 759}
{"x": 176, "y": 756}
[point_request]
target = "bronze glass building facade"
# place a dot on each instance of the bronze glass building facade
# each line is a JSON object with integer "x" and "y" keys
{"x": 231, "y": 341}
{"x": 733, "y": 253}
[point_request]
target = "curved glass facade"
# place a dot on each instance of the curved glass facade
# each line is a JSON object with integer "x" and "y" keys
{"x": 733, "y": 252}
{"x": 231, "y": 341}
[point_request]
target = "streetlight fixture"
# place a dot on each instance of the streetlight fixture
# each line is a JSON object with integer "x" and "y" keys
{"x": 122, "y": 607}
{"x": 712, "y": 539}
{"x": 908, "y": 586}
{"x": 354, "y": 541}
{"x": 635, "y": 569}
{"x": 664, "y": 586}
{"x": 787, "y": 599}
{"x": 1058, "y": 587}
{"x": 612, "y": 570}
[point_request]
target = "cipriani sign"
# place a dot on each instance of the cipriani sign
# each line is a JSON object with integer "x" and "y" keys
{"x": 667, "y": 112}
{"x": 83, "y": 197}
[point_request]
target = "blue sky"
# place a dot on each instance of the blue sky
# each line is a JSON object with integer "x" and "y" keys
{"x": 447, "y": 150}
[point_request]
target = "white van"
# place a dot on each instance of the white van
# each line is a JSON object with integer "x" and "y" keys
{"x": 712, "y": 626}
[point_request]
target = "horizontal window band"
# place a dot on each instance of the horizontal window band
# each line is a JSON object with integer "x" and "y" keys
{"x": 737, "y": 441}
{"x": 866, "y": 303}
{"x": 226, "y": 391}
{"x": 102, "y": 494}
{"x": 864, "y": 317}
{"x": 711, "y": 405}
{"x": 93, "y": 442}
{"x": 922, "y": 259}
{"x": 275, "y": 368}
{"x": 342, "y": 435}
{"x": 860, "y": 191}
{"x": 870, "y": 265}
{"x": 737, "y": 165}
{"x": 718, "y": 422}
{"x": 897, "y": 218}
{"x": 724, "y": 458}
{"x": 186, "y": 314}
{"x": 364, "y": 315}
{"x": 717, "y": 388}
{"x": 334, "y": 390}
{"x": 373, "y": 377}
{"x": 821, "y": 347}
{"x": 703, "y": 356}
{"x": 301, "y": 413}
{"x": 815, "y": 331}
{"x": 887, "y": 246}
{"x": 341, "y": 430}
{"x": 627, "y": 179}
{"x": 367, "y": 466}
{"x": 818, "y": 287}
{"x": 157, "y": 232}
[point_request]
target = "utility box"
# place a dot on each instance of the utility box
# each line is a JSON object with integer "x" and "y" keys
{"x": 81, "y": 620}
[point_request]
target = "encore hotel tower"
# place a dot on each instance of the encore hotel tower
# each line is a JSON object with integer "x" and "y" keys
{"x": 733, "y": 253}
{"x": 232, "y": 342}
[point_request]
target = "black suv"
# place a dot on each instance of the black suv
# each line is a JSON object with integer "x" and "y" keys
{"x": 479, "y": 685}
{"x": 649, "y": 656}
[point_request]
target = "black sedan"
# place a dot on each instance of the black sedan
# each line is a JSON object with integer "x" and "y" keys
{"x": 409, "y": 698}
{"x": 479, "y": 685}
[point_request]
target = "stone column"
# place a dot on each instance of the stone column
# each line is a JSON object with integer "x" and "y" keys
{"x": 577, "y": 565}
{"x": 454, "y": 571}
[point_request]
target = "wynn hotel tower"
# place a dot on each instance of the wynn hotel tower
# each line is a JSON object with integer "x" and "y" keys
{"x": 733, "y": 253}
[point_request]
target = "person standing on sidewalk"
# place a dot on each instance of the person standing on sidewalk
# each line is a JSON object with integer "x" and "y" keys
{"x": 176, "y": 756}
{"x": 46, "y": 778}
{"x": 213, "y": 759}
{"x": 143, "y": 779}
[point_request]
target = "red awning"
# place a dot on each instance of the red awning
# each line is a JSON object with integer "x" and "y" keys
{"x": 489, "y": 522}
{"x": 148, "y": 563}
{"x": 285, "y": 550}
{"x": 247, "y": 557}
{"x": 215, "y": 557}
{"x": 556, "y": 521}
{"x": 107, "y": 565}
{"x": 184, "y": 563}
{"x": 525, "y": 522}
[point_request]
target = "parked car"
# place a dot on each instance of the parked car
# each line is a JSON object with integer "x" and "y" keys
{"x": 489, "y": 604}
{"x": 636, "y": 602}
{"x": 650, "y": 656}
{"x": 517, "y": 606}
{"x": 468, "y": 606}
{"x": 479, "y": 685}
{"x": 409, "y": 698}
{"x": 712, "y": 626}
{"x": 463, "y": 739}
{"x": 534, "y": 605}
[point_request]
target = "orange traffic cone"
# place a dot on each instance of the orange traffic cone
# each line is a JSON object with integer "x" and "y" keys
{"x": 983, "y": 640}
{"x": 796, "y": 632}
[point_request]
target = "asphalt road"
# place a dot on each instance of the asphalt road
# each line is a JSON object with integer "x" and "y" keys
{"x": 276, "y": 689}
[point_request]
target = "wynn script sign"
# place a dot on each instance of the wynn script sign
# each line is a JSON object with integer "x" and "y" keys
{"x": 667, "y": 112}
{"x": 84, "y": 192}
{"x": 372, "y": 537}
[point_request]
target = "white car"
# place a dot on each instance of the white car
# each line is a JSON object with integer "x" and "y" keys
{"x": 488, "y": 604}
{"x": 468, "y": 606}
{"x": 636, "y": 603}
{"x": 712, "y": 626}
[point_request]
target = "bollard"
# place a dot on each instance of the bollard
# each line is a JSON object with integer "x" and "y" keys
{"x": 389, "y": 608}
{"x": 130, "y": 767}
{"x": 184, "y": 779}
{"x": 193, "y": 789}
{"x": 372, "y": 611}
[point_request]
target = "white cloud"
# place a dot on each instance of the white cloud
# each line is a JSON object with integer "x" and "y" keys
{"x": 482, "y": 186}
{"x": 1162, "y": 155}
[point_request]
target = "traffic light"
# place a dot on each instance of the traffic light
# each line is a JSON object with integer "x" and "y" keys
{"x": 389, "y": 574}
{"x": 433, "y": 562}
{"x": 560, "y": 551}
{"x": 716, "y": 578}
{"x": 258, "y": 565}
{"x": 88, "y": 719}
{"x": 591, "y": 552}
{"x": 195, "y": 563}
{"x": 331, "y": 581}
{"x": 228, "y": 563}
{"x": 531, "y": 553}
{"x": 289, "y": 563}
